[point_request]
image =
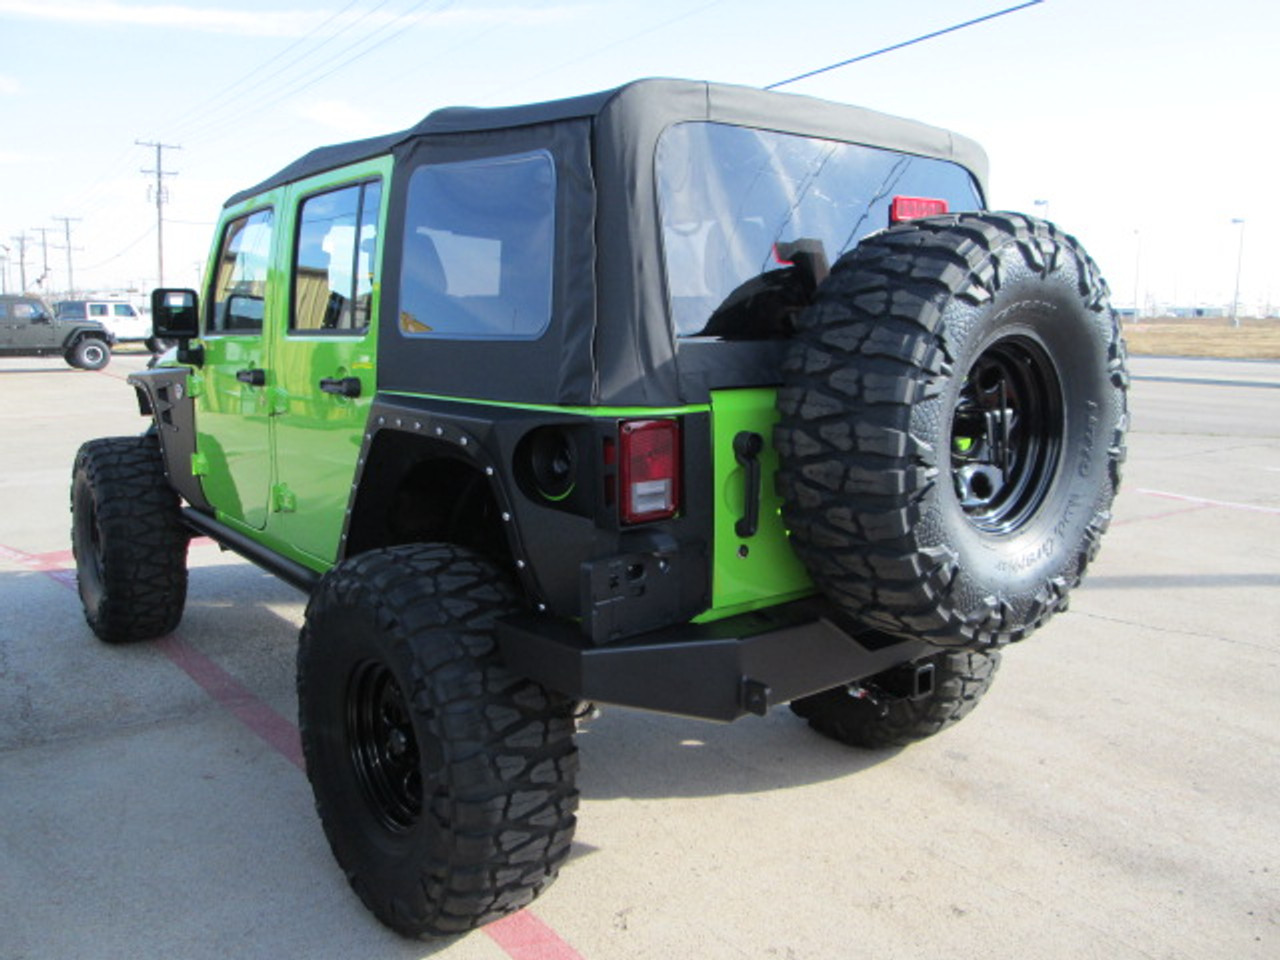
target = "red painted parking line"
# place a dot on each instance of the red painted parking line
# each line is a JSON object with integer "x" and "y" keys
{"x": 521, "y": 936}
{"x": 235, "y": 698}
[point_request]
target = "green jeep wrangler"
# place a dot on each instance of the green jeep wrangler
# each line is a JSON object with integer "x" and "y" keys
{"x": 680, "y": 396}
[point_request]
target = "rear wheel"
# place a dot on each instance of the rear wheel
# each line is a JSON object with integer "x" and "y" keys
{"x": 900, "y": 706}
{"x": 128, "y": 538}
{"x": 445, "y": 783}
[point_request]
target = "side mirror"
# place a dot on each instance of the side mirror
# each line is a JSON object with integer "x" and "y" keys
{"x": 175, "y": 314}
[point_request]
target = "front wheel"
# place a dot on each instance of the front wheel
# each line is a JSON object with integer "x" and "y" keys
{"x": 90, "y": 353}
{"x": 128, "y": 538}
{"x": 444, "y": 782}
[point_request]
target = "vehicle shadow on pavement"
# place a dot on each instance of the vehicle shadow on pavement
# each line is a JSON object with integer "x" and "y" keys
{"x": 628, "y": 754}
{"x": 60, "y": 368}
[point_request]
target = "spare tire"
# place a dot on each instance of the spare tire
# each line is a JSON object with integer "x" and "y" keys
{"x": 952, "y": 427}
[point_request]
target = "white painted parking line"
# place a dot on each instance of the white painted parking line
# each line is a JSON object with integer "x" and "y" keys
{"x": 1252, "y": 507}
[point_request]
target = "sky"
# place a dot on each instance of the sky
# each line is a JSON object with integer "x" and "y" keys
{"x": 1149, "y": 130}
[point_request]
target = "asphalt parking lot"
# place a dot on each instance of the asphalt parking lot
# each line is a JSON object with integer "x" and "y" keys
{"x": 1113, "y": 797}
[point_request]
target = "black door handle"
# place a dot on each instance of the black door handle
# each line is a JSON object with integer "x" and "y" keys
{"x": 256, "y": 377}
{"x": 746, "y": 450}
{"x": 341, "y": 386}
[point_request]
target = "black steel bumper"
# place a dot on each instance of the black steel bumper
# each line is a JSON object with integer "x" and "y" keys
{"x": 714, "y": 671}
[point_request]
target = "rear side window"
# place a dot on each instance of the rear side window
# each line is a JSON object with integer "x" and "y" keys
{"x": 240, "y": 280}
{"x": 97, "y": 310}
{"x": 728, "y": 194}
{"x": 477, "y": 249}
{"x": 334, "y": 260}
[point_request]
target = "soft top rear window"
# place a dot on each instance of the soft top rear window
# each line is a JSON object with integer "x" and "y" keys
{"x": 479, "y": 238}
{"x": 727, "y": 195}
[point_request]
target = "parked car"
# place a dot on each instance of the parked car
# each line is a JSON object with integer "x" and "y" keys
{"x": 30, "y": 328}
{"x": 123, "y": 319}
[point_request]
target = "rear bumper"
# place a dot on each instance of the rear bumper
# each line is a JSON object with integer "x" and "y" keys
{"x": 714, "y": 671}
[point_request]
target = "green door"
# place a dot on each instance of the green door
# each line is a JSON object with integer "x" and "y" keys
{"x": 323, "y": 364}
{"x": 232, "y": 399}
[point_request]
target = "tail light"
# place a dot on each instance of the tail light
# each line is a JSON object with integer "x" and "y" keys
{"x": 649, "y": 470}
{"x": 913, "y": 208}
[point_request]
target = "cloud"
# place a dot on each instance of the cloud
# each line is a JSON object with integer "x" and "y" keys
{"x": 279, "y": 23}
{"x": 342, "y": 117}
{"x": 9, "y": 86}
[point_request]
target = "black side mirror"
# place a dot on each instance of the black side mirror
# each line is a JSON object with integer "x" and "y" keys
{"x": 175, "y": 314}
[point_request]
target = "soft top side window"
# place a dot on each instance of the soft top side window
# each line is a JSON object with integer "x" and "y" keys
{"x": 477, "y": 249}
{"x": 240, "y": 279}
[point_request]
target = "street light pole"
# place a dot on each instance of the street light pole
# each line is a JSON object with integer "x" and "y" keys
{"x": 1235, "y": 299}
{"x": 1137, "y": 274}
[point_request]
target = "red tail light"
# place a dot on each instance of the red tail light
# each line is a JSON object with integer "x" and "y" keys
{"x": 649, "y": 470}
{"x": 913, "y": 208}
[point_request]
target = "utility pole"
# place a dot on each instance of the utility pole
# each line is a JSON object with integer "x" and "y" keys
{"x": 44, "y": 258}
{"x": 71, "y": 277}
{"x": 21, "y": 241}
{"x": 1235, "y": 297}
{"x": 160, "y": 173}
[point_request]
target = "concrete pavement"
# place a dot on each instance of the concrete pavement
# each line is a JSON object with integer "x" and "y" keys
{"x": 1112, "y": 797}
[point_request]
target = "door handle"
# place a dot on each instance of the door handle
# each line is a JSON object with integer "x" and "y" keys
{"x": 255, "y": 377}
{"x": 341, "y": 386}
{"x": 746, "y": 450}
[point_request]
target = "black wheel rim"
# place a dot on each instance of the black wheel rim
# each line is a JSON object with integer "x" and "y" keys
{"x": 383, "y": 747}
{"x": 1006, "y": 434}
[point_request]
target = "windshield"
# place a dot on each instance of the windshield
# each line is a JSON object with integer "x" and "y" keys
{"x": 728, "y": 194}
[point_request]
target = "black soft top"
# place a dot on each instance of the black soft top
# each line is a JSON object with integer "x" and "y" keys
{"x": 664, "y": 101}
{"x": 610, "y": 340}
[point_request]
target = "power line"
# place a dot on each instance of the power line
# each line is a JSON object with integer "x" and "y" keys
{"x": 211, "y": 103}
{"x": 905, "y": 43}
{"x": 308, "y": 78}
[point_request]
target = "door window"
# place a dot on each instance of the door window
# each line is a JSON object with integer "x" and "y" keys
{"x": 334, "y": 260}
{"x": 240, "y": 281}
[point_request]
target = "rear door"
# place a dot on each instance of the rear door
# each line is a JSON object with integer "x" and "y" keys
{"x": 323, "y": 361}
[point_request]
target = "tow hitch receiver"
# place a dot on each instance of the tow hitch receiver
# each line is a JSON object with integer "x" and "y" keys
{"x": 909, "y": 681}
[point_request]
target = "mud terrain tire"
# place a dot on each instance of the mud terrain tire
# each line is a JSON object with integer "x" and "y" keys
{"x": 875, "y": 713}
{"x": 129, "y": 542}
{"x": 445, "y": 783}
{"x": 952, "y": 427}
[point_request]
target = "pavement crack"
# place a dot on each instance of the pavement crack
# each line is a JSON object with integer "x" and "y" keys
{"x": 1174, "y": 631}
